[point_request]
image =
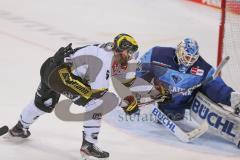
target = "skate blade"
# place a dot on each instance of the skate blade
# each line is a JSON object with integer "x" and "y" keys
{"x": 84, "y": 156}
{"x": 8, "y": 137}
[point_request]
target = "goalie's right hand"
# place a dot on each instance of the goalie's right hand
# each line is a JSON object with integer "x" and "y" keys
{"x": 129, "y": 105}
{"x": 161, "y": 94}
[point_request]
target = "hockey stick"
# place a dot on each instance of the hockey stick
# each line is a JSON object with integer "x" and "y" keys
{"x": 152, "y": 101}
{"x": 176, "y": 130}
{"x": 191, "y": 89}
{"x": 218, "y": 70}
{"x": 3, "y": 130}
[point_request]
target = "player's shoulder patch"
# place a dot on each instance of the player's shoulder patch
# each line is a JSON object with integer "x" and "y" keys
{"x": 197, "y": 71}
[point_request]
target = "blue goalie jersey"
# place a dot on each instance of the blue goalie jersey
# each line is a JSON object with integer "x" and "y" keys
{"x": 160, "y": 65}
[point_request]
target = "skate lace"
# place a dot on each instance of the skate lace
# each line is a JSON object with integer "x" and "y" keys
{"x": 97, "y": 148}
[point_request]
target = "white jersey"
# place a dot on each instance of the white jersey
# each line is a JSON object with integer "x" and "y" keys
{"x": 94, "y": 64}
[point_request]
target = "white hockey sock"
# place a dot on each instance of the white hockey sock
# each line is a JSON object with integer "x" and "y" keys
{"x": 29, "y": 114}
{"x": 91, "y": 129}
{"x": 92, "y": 126}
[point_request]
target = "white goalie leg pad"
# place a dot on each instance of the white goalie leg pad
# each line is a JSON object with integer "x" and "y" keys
{"x": 224, "y": 123}
{"x": 29, "y": 114}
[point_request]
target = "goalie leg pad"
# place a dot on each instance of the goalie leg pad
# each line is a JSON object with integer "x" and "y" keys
{"x": 224, "y": 123}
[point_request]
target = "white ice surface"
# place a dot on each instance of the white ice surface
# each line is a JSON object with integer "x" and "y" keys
{"x": 30, "y": 31}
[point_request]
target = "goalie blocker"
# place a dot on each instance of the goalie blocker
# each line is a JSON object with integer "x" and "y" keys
{"x": 224, "y": 123}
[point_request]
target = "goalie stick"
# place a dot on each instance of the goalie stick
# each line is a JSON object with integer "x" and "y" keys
{"x": 191, "y": 89}
{"x": 215, "y": 74}
{"x": 175, "y": 129}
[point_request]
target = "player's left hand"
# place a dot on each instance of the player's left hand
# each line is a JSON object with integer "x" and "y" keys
{"x": 61, "y": 53}
{"x": 130, "y": 105}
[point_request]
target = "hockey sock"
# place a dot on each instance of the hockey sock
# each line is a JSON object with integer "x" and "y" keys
{"x": 29, "y": 114}
{"x": 92, "y": 126}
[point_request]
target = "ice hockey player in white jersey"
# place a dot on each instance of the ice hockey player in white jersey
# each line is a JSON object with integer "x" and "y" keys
{"x": 82, "y": 75}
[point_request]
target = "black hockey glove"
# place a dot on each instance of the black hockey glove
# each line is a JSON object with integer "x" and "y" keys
{"x": 129, "y": 105}
{"x": 61, "y": 54}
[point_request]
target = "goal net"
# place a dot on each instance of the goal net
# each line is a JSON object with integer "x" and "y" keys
{"x": 229, "y": 41}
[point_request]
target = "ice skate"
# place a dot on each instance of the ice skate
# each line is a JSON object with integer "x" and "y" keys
{"x": 90, "y": 151}
{"x": 19, "y": 131}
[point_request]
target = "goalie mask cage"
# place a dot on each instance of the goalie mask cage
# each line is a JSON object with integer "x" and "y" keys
{"x": 229, "y": 41}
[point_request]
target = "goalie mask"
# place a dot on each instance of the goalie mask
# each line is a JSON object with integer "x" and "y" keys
{"x": 125, "y": 46}
{"x": 187, "y": 52}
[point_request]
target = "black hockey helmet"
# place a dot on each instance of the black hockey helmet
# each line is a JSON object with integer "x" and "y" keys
{"x": 126, "y": 48}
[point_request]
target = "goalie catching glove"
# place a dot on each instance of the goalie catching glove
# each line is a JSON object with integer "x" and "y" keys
{"x": 129, "y": 105}
{"x": 235, "y": 102}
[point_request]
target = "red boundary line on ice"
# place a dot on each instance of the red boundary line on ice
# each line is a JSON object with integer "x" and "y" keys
{"x": 203, "y": 2}
{"x": 25, "y": 40}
